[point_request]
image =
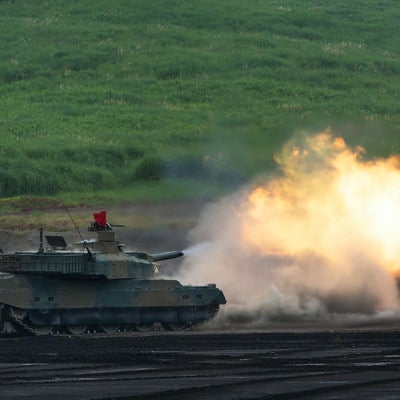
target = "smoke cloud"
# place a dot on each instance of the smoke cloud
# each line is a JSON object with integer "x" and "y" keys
{"x": 319, "y": 243}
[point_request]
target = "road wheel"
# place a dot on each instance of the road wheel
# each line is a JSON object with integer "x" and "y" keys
{"x": 76, "y": 329}
{"x": 176, "y": 326}
{"x": 109, "y": 328}
{"x": 144, "y": 327}
{"x": 42, "y": 330}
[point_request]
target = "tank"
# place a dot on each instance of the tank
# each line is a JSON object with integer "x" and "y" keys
{"x": 97, "y": 288}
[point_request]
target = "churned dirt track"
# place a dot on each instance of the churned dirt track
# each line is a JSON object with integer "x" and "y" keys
{"x": 203, "y": 365}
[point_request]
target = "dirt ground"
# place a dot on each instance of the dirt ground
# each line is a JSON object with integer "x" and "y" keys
{"x": 203, "y": 365}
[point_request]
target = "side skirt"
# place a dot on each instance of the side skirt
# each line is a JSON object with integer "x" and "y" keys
{"x": 112, "y": 316}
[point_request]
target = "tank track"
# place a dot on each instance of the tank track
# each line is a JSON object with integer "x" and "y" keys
{"x": 15, "y": 322}
{"x": 18, "y": 322}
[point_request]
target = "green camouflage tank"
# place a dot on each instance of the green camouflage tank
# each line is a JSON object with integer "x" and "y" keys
{"x": 100, "y": 289}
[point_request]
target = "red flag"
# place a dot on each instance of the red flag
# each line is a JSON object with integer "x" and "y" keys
{"x": 101, "y": 218}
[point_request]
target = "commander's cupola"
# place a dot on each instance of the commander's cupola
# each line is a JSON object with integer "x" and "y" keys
{"x": 105, "y": 242}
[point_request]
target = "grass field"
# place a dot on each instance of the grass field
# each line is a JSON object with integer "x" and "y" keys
{"x": 172, "y": 99}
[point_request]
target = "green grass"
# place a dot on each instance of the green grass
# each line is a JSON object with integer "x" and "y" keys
{"x": 181, "y": 98}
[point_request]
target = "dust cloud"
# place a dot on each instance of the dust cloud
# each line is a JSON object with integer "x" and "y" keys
{"x": 318, "y": 243}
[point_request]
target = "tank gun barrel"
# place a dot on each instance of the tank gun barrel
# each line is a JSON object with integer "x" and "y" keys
{"x": 168, "y": 255}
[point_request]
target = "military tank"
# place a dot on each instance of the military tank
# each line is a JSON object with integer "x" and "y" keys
{"x": 97, "y": 288}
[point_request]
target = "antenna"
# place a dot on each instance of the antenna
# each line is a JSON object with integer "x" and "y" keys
{"x": 79, "y": 233}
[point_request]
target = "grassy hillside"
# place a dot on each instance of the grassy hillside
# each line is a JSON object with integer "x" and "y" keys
{"x": 190, "y": 94}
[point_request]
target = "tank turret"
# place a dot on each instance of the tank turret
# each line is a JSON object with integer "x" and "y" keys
{"x": 99, "y": 287}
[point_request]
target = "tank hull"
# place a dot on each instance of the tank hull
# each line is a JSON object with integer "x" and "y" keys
{"x": 100, "y": 287}
{"x": 29, "y": 302}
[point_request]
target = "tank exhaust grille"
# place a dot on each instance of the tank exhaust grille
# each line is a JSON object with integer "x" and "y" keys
{"x": 8, "y": 263}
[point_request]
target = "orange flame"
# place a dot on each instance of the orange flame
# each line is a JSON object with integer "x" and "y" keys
{"x": 328, "y": 201}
